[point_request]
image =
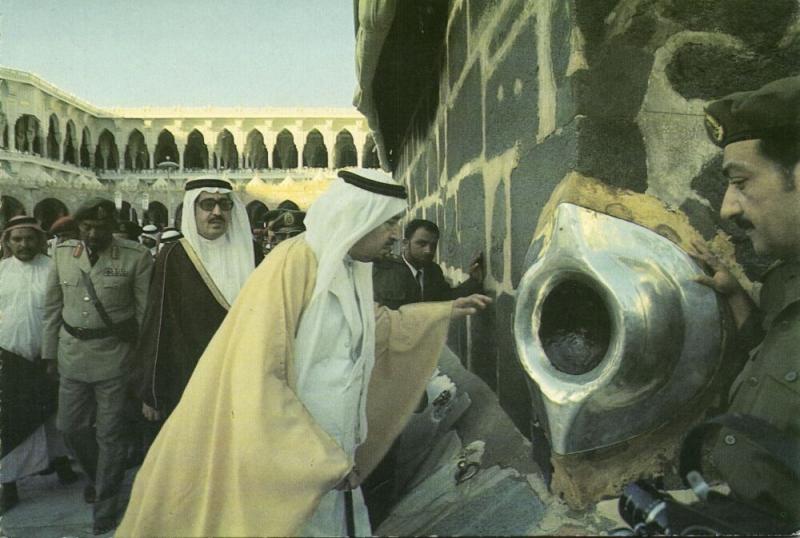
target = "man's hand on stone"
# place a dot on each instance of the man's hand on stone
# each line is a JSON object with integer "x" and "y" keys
{"x": 467, "y": 306}
{"x": 721, "y": 280}
{"x": 476, "y": 268}
{"x": 150, "y": 413}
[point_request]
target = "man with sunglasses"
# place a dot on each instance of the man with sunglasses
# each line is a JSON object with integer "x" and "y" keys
{"x": 196, "y": 280}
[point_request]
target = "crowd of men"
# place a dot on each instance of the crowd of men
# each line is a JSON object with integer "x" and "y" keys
{"x": 240, "y": 361}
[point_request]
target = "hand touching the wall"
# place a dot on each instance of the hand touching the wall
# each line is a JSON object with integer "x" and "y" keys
{"x": 469, "y": 305}
{"x": 721, "y": 280}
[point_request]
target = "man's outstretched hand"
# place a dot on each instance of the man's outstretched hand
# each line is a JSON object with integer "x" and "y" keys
{"x": 467, "y": 306}
{"x": 721, "y": 280}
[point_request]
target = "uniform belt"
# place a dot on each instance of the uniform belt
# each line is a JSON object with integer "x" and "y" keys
{"x": 88, "y": 334}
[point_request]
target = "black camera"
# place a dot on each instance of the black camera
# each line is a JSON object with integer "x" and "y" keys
{"x": 651, "y": 512}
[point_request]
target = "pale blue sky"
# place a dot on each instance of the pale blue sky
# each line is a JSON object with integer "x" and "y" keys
{"x": 186, "y": 52}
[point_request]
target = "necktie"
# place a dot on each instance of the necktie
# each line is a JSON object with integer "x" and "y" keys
{"x": 93, "y": 257}
{"x": 421, "y": 286}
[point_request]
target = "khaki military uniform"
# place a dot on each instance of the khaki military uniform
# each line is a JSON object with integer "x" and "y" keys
{"x": 92, "y": 362}
{"x": 768, "y": 388}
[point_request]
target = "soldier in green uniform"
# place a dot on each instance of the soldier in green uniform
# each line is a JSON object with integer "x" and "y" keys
{"x": 95, "y": 301}
{"x": 760, "y": 133}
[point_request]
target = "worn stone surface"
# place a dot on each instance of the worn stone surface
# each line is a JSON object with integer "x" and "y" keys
{"x": 540, "y": 169}
{"x": 507, "y": 19}
{"x": 512, "y": 95}
{"x": 497, "y": 239}
{"x": 471, "y": 222}
{"x": 620, "y": 98}
{"x": 511, "y": 378}
{"x": 457, "y": 44}
{"x": 464, "y": 123}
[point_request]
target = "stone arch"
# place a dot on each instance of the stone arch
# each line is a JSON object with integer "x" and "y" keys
{"x": 166, "y": 148}
{"x": 344, "y": 151}
{"x": 285, "y": 153}
{"x": 127, "y": 212}
{"x": 84, "y": 153}
{"x": 136, "y": 155}
{"x": 315, "y": 154}
{"x": 227, "y": 155}
{"x": 3, "y": 128}
{"x": 195, "y": 155}
{"x": 53, "y": 138}
{"x": 255, "y": 151}
{"x": 256, "y": 212}
{"x": 106, "y": 156}
{"x": 9, "y": 207}
{"x": 70, "y": 149}
{"x": 370, "y": 154}
{"x": 27, "y": 134}
{"x": 156, "y": 214}
{"x": 49, "y": 210}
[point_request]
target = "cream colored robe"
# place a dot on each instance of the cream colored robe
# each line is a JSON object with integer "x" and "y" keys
{"x": 240, "y": 455}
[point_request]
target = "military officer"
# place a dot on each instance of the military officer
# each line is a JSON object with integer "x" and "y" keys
{"x": 95, "y": 300}
{"x": 759, "y": 132}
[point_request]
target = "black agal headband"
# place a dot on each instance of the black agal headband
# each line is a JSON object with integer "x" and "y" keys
{"x": 208, "y": 184}
{"x": 378, "y": 187}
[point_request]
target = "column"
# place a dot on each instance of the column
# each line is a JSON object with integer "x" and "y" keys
{"x": 329, "y": 139}
{"x": 270, "y": 138}
{"x": 299, "y": 142}
{"x": 359, "y": 140}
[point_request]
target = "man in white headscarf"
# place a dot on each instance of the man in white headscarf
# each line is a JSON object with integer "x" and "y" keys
{"x": 195, "y": 281}
{"x": 302, "y": 389}
{"x": 28, "y": 396}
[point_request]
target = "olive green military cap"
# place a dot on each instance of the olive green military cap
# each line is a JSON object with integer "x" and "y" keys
{"x": 289, "y": 222}
{"x": 774, "y": 108}
{"x": 96, "y": 209}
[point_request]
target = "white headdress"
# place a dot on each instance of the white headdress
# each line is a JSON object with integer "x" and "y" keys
{"x": 352, "y": 207}
{"x": 229, "y": 259}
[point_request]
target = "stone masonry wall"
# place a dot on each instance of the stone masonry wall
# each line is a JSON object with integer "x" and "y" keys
{"x": 614, "y": 89}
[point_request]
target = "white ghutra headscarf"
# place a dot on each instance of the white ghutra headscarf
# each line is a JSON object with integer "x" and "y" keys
{"x": 229, "y": 259}
{"x": 333, "y": 369}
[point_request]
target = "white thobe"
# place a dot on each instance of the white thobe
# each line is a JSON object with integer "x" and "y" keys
{"x": 22, "y": 289}
{"x": 332, "y": 377}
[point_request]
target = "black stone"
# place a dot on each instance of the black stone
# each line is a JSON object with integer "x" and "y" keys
{"x": 698, "y": 71}
{"x": 498, "y": 233}
{"x": 457, "y": 44}
{"x": 478, "y": 9}
{"x": 560, "y": 47}
{"x": 612, "y": 151}
{"x": 710, "y": 183}
{"x": 615, "y": 85}
{"x": 590, "y": 16}
{"x": 464, "y": 123}
{"x": 516, "y": 116}
{"x": 760, "y": 24}
{"x": 483, "y": 355}
{"x": 433, "y": 168}
{"x": 471, "y": 219}
{"x": 541, "y": 167}
{"x": 503, "y": 28}
{"x": 511, "y": 377}
{"x": 449, "y": 232}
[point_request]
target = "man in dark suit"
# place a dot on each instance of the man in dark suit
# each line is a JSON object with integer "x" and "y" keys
{"x": 413, "y": 277}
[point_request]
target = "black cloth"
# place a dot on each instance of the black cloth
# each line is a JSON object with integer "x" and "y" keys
{"x": 29, "y": 396}
{"x": 181, "y": 318}
{"x": 395, "y": 286}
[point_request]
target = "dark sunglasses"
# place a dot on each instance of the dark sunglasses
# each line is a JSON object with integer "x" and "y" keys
{"x": 225, "y": 204}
